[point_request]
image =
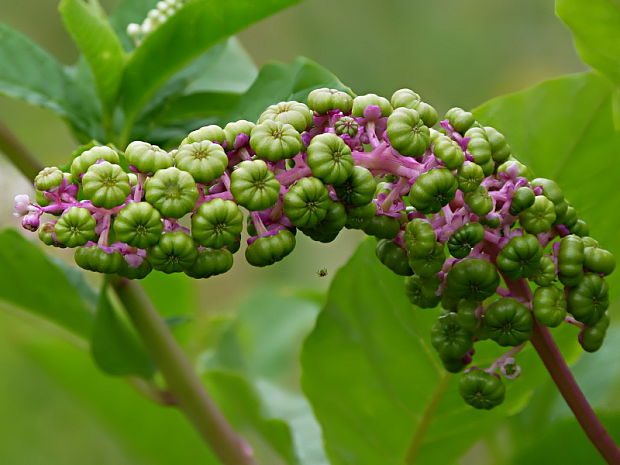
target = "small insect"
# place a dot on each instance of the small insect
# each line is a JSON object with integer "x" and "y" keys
{"x": 322, "y": 273}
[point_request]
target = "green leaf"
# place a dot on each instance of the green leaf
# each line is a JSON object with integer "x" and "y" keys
{"x": 596, "y": 27}
{"x": 97, "y": 41}
{"x": 29, "y": 73}
{"x": 280, "y": 81}
{"x": 193, "y": 29}
{"x": 270, "y": 438}
{"x": 576, "y": 145}
{"x": 115, "y": 347}
{"x": 375, "y": 384}
{"x": 30, "y": 281}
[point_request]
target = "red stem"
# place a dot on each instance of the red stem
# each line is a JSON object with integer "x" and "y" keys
{"x": 555, "y": 364}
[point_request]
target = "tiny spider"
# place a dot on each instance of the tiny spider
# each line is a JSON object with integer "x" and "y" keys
{"x": 322, "y": 273}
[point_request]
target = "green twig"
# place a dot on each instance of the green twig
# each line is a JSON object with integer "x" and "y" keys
{"x": 19, "y": 155}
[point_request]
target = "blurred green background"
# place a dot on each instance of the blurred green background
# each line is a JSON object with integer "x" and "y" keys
{"x": 454, "y": 53}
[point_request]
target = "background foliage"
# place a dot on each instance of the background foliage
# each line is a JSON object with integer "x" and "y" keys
{"x": 246, "y": 329}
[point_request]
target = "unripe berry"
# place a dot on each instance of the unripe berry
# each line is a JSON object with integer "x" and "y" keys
{"x": 422, "y": 292}
{"x": 147, "y": 158}
{"x": 296, "y": 114}
{"x": 539, "y": 217}
{"x": 174, "y": 252}
{"x": 358, "y": 189}
{"x": 217, "y": 223}
{"x": 469, "y": 176}
{"x": 460, "y": 119}
{"x": 211, "y": 133}
{"x": 464, "y": 239}
{"x": 330, "y": 159}
{"x": 448, "y": 151}
{"x": 139, "y": 225}
{"x": 306, "y": 202}
{"x": 105, "y": 185}
{"x": 407, "y": 133}
{"x": 210, "y": 262}
{"x": 89, "y": 157}
{"x": 48, "y": 178}
{"x": 405, "y": 98}
{"x": 236, "y": 128}
{"x": 508, "y": 322}
{"x": 267, "y": 250}
{"x": 472, "y": 279}
{"x": 482, "y": 390}
{"x": 479, "y": 201}
{"x": 346, "y": 125}
{"x": 324, "y": 100}
{"x": 204, "y": 160}
{"x": 393, "y": 256}
{"x": 549, "y": 306}
{"x": 520, "y": 257}
{"x": 274, "y": 141}
{"x": 172, "y": 191}
{"x": 589, "y": 299}
{"x": 75, "y": 227}
{"x": 432, "y": 190}
{"x": 254, "y": 186}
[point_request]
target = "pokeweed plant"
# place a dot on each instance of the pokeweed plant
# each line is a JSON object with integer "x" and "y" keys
{"x": 502, "y": 253}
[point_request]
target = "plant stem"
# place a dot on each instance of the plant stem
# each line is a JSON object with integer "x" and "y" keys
{"x": 427, "y": 417}
{"x": 19, "y": 155}
{"x": 180, "y": 377}
{"x": 555, "y": 364}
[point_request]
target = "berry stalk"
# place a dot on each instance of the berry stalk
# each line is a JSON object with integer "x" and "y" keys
{"x": 555, "y": 364}
{"x": 182, "y": 381}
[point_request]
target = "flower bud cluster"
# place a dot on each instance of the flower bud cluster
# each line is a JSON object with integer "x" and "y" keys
{"x": 154, "y": 18}
{"x": 453, "y": 210}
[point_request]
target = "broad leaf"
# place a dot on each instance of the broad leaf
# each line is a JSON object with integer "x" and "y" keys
{"x": 563, "y": 129}
{"x": 115, "y": 347}
{"x": 596, "y": 27}
{"x": 29, "y": 73}
{"x": 376, "y": 386}
{"x": 30, "y": 281}
{"x": 280, "y": 81}
{"x": 193, "y": 29}
{"x": 101, "y": 48}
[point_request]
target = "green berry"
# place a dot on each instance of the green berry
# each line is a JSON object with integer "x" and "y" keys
{"x": 233, "y": 129}
{"x": 405, "y": 98}
{"x": 139, "y": 225}
{"x": 479, "y": 201}
{"x": 539, "y": 217}
{"x": 599, "y": 260}
{"x": 467, "y": 314}
{"x": 549, "y": 306}
{"x": 448, "y": 151}
{"x": 306, "y": 202}
{"x": 482, "y": 390}
{"x": 580, "y": 228}
{"x": 472, "y": 279}
{"x": 544, "y": 274}
{"x": 328, "y": 228}
{"x": 358, "y": 217}
{"x": 522, "y": 170}
{"x": 522, "y": 199}
{"x": 508, "y": 322}
{"x": 346, "y": 125}
{"x": 382, "y": 227}
{"x": 570, "y": 260}
{"x": 296, "y": 114}
{"x": 422, "y": 291}
{"x": 147, "y": 158}
{"x": 432, "y": 190}
{"x": 478, "y": 145}
{"x": 324, "y": 100}
{"x": 75, "y": 227}
{"x": 330, "y": 159}
{"x": 89, "y": 157}
{"x": 520, "y": 257}
{"x": 393, "y": 256}
{"x": 358, "y": 189}
{"x": 591, "y": 338}
{"x": 211, "y": 133}
{"x": 449, "y": 338}
{"x": 210, "y": 262}
{"x": 427, "y": 113}
{"x": 106, "y": 185}
{"x": 460, "y": 119}
{"x": 500, "y": 150}
{"x": 406, "y": 132}
{"x": 139, "y": 272}
{"x": 204, "y": 160}
{"x": 266, "y": 250}
{"x": 46, "y": 234}
{"x": 254, "y": 186}
{"x": 96, "y": 259}
{"x": 420, "y": 238}
{"x": 48, "y": 178}
{"x": 172, "y": 191}
{"x": 274, "y": 141}
{"x": 464, "y": 239}
{"x": 429, "y": 263}
{"x": 589, "y": 299}
{"x": 362, "y": 101}
{"x": 175, "y": 252}
{"x": 469, "y": 176}
{"x": 217, "y": 223}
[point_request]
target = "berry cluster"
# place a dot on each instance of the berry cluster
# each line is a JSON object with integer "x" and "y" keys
{"x": 452, "y": 209}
